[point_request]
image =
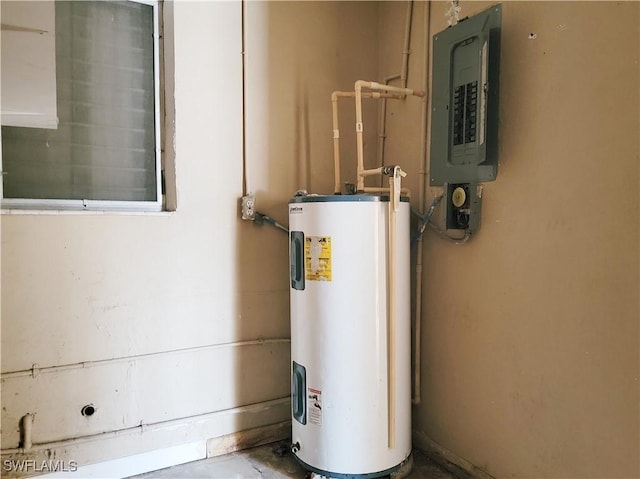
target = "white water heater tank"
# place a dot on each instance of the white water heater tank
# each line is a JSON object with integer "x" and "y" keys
{"x": 351, "y": 384}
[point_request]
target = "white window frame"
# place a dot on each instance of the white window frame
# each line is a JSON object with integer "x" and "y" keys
{"x": 110, "y": 205}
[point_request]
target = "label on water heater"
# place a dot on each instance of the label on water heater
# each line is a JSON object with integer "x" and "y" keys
{"x": 317, "y": 258}
{"x": 314, "y": 406}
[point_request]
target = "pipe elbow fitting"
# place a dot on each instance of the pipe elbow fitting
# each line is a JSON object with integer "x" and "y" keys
{"x": 360, "y": 84}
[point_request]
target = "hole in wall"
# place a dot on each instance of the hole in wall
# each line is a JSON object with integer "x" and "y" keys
{"x": 88, "y": 410}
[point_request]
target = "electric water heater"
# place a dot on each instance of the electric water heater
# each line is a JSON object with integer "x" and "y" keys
{"x": 350, "y": 334}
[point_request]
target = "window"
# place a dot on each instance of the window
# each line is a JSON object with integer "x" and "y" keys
{"x": 105, "y": 153}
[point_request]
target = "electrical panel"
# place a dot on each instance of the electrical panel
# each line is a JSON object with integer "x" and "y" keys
{"x": 464, "y": 120}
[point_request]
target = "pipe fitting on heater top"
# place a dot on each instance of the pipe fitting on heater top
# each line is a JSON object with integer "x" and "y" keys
{"x": 391, "y": 171}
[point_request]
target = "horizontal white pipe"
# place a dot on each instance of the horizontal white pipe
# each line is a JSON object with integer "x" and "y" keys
{"x": 382, "y": 189}
{"x": 379, "y": 86}
{"x": 101, "y": 362}
{"x": 142, "y": 428}
{"x": 372, "y": 94}
{"x": 372, "y": 172}
{"x": 392, "y": 77}
{"x": 379, "y": 171}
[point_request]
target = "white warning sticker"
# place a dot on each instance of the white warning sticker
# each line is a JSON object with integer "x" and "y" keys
{"x": 314, "y": 406}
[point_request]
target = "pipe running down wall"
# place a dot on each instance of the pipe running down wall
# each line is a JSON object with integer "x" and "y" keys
{"x": 396, "y": 174}
{"x": 425, "y": 137}
{"x": 394, "y": 205}
{"x": 402, "y": 76}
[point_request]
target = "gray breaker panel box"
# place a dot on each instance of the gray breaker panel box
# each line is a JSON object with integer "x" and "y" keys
{"x": 464, "y": 120}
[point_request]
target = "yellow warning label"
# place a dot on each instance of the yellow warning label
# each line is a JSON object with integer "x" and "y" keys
{"x": 317, "y": 258}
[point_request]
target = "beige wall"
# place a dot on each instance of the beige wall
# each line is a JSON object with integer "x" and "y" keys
{"x": 530, "y": 330}
{"x": 298, "y": 53}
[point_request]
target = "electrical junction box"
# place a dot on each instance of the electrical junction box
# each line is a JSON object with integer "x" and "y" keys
{"x": 464, "y": 120}
{"x": 463, "y": 203}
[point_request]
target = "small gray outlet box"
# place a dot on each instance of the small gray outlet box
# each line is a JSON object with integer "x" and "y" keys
{"x": 248, "y": 207}
{"x": 464, "y": 120}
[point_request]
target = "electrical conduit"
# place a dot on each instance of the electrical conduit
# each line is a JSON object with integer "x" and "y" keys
{"x": 402, "y": 76}
{"x": 425, "y": 137}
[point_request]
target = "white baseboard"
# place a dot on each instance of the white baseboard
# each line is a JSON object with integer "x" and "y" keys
{"x": 139, "y": 463}
{"x": 156, "y": 446}
{"x": 172, "y": 456}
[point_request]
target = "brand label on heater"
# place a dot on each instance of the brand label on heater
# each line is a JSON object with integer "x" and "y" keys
{"x": 314, "y": 406}
{"x": 317, "y": 258}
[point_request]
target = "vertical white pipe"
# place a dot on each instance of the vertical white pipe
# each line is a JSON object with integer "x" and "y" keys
{"x": 336, "y": 144}
{"x": 243, "y": 23}
{"x": 382, "y": 132}
{"x": 425, "y": 136}
{"x": 382, "y": 122}
{"x": 394, "y": 205}
{"x": 336, "y": 131}
{"x": 391, "y": 324}
{"x": 27, "y": 426}
{"x": 407, "y": 43}
{"x": 403, "y": 76}
{"x": 359, "y": 140}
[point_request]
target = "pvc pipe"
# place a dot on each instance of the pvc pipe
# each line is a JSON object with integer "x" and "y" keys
{"x": 359, "y": 85}
{"x": 379, "y": 86}
{"x": 27, "y": 427}
{"x": 391, "y": 325}
{"x": 381, "y": 189}
{"x": 243, "y": 23}
{"x": 382, "y": 124}
{"x": 407, "y": 43}
{"x": 359, "y": 139}
{"x": 382, "y": 131}
{"x": 372, "y": 172}
{"x": 394, "y": 204}
{"x": 337, "y": 185}
{"x": 425, "y": 137}
{"x": 53, "y": 369}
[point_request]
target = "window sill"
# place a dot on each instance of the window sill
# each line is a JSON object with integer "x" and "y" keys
{"x": 59, "y": 212}
{"x": 16, "y": 206}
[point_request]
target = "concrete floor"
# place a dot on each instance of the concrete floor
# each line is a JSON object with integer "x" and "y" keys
{"x": 264, "y": 463}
